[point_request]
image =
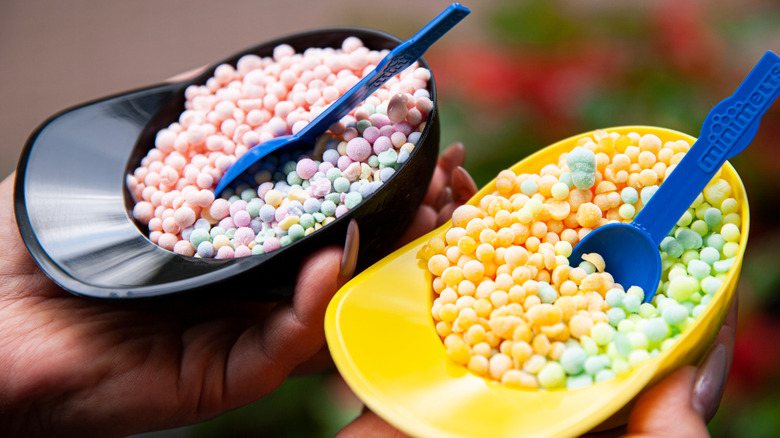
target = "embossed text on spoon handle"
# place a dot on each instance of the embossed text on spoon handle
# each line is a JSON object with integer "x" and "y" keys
{"x": 727, "y": 130}
{"x": 401, "y": 57}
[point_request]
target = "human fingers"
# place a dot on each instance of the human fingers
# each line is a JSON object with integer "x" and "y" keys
{"x": 450, "y": 188}
{"x": 451, "y": 158}
{"x": 666, "y": 409}
{"x": 368, "y": 424}
{"x": 265, "y": 354}
{"x": 13, "y": 258}
{"x": 682, "y": 403}
{"x": 462, "y": 188}
{"x": 19, "y": 275}
{"x": 321, "y": 360}
{"x": 349, "y": 258}
{"x": 423, "y": 222}
{"x": 714, "y": 370}
{"x": 189, "y": 74}
{"x": 439, "y": 195}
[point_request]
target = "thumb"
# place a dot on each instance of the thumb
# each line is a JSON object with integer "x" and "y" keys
{"x": 667, "y": 409}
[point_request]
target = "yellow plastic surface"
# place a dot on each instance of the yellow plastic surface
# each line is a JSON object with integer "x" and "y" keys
{"x": 382, "y": 338}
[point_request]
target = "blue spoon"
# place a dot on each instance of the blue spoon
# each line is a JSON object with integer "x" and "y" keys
{"x": 631, "y": 250}
{"x": 401, "y": 57}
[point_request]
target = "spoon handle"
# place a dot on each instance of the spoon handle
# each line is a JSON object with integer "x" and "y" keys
{"x": 400, "y": 58}
{"x": 727, "y": 130}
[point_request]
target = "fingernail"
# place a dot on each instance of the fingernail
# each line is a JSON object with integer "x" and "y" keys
{"x": 452, "y": 157}
{"x": 350, "y": 255}
{"x": 463, "y": 185}
{"x": 186, "y": 75}
{"x": 710, "y": 382}
{"x": 444, "y": 198}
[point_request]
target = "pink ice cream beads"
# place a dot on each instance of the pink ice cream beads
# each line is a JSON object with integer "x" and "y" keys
{"x": 294, "y": 195}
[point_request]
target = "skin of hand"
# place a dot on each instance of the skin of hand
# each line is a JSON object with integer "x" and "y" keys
{"x": 685, "y": 401}
{"x": 77, "y": 366}
{"x": 680, "y": 405}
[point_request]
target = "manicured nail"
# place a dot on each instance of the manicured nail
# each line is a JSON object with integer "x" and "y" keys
{"x": 463, "y": 186}
{"x": 452, "y": 157}
{"x": 444, "y": 198}
{"x": 350, "y": 255}
{"x": 710, "y": 382}
{"x": 187, "y": 74}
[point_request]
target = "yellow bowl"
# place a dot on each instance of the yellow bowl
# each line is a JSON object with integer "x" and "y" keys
{"x": 382, "y": 338}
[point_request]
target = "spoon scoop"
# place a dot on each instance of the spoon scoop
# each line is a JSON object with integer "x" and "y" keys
{"x": 401, "y": 57}
{"x": 630, "y": 251}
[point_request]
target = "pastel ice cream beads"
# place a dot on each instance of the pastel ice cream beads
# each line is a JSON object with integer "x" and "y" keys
{"x": 508, "y": 306}
{"x": 291, "y": 196}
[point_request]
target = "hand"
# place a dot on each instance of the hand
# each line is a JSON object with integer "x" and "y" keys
{"x": 684, "y": 402}
{"x": 79, "y": 366}
{"x": 450, "y": 187}
{"x": 680, "y": 405}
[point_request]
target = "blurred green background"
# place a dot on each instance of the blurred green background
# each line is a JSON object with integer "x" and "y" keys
{"x": 514, "y": 77}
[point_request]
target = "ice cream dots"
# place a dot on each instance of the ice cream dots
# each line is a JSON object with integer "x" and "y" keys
{"x": 292, "y": 195}
{"x": 509, "y": 307}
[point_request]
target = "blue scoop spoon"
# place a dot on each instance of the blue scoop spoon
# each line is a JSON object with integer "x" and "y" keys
{"x": 400, "y": 58}
{"x": 630, "y": 251}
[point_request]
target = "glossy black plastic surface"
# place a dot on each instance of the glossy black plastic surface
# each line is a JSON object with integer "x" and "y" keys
{"x": 74, "y": 212}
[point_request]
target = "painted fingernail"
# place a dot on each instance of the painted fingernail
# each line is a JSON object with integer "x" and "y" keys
{"x": 463, "y": 186}
{"x": 710, "y": 382}
{"x": 186, "y": 75}
{"x": 444, "y": 198}
{"x": 350, "y": 255}
{"x": 453, "y": 157}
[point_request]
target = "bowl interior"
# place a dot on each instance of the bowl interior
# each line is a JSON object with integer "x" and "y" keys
{"x": 74, "y": 211}
{"x": 383, "y": 340}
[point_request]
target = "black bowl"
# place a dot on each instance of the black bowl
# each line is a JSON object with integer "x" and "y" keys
{"x": 75, "y": 214}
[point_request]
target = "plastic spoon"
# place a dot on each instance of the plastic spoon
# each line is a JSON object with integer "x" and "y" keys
{"x": 401, "y": 57}
{"x": 79, "y": 227}
{"x": 631, "y": 250}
